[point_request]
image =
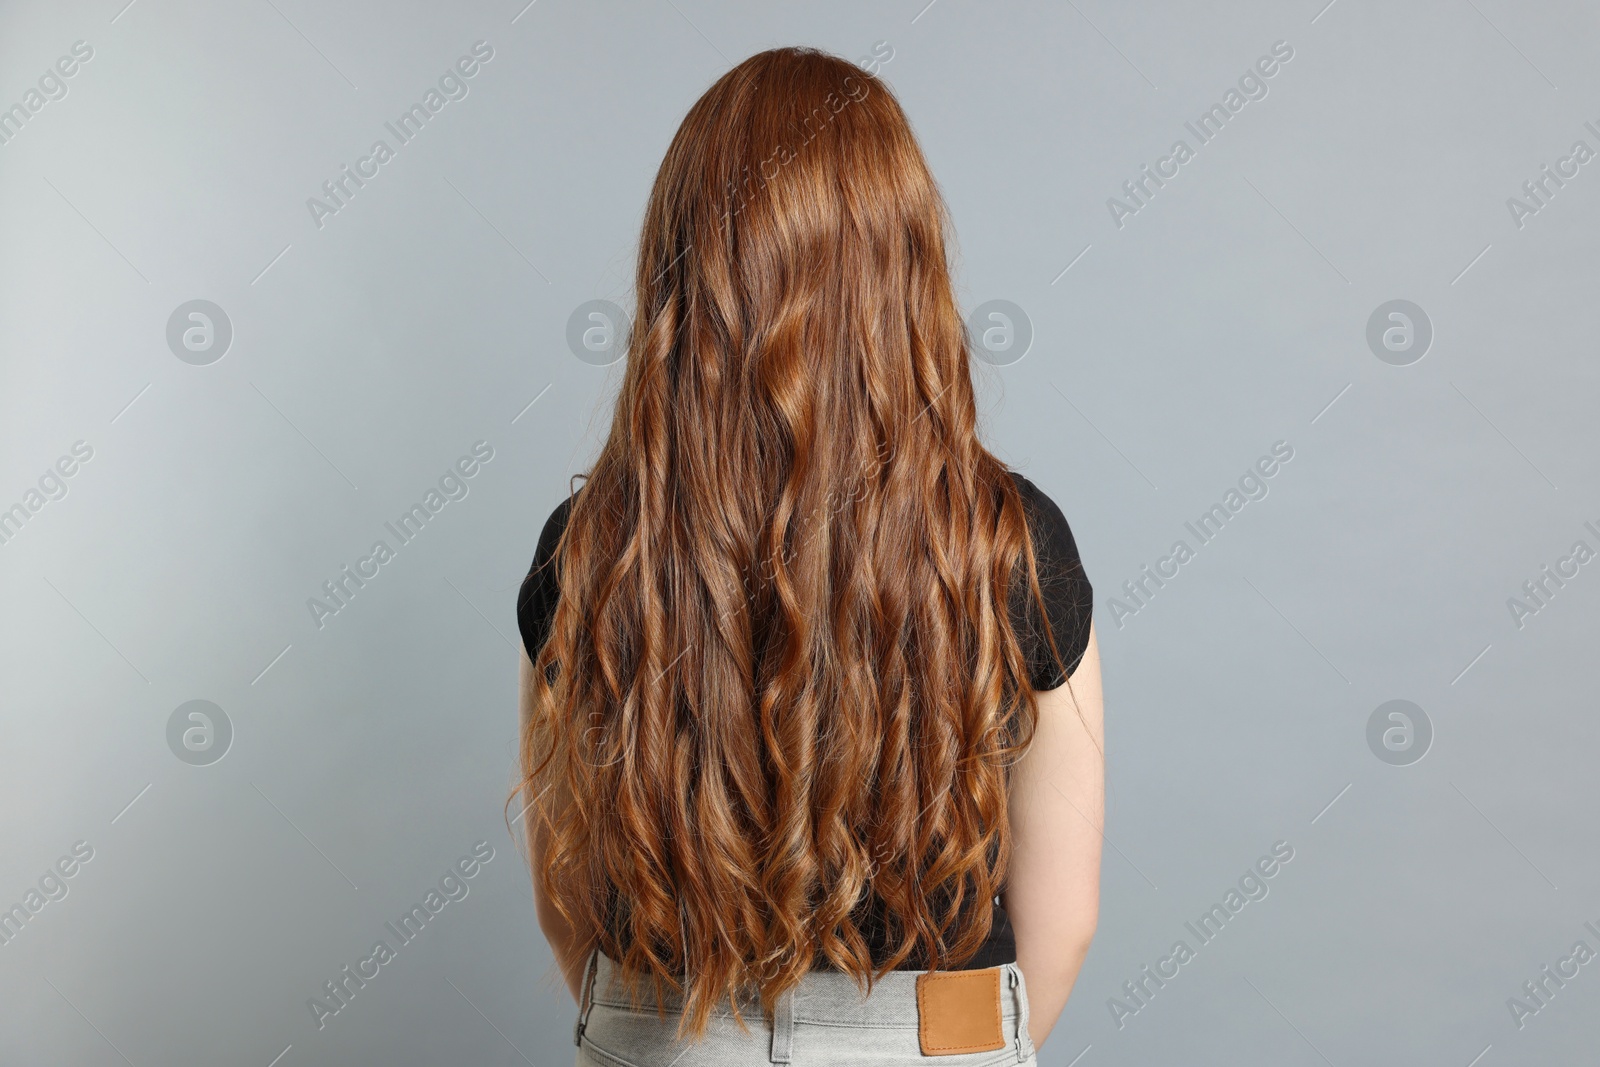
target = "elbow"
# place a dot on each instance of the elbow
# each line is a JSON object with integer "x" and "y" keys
{"x": 1073, "y": 941}
{"x": 1076, "y": 940}
{"x": 1090, "y": 922}
{"x": 1055, "y": 954}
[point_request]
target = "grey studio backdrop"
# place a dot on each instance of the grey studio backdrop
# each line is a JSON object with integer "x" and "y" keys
{"x": 1341, "y": 347}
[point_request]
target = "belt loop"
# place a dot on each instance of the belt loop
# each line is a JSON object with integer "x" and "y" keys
{"x": 1019, "y": 992}
{"x": 590, "y": 966}
{"x": 783, "y": 1028}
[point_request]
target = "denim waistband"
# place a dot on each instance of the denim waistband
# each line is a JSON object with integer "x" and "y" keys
{"x": 830, "y": 998}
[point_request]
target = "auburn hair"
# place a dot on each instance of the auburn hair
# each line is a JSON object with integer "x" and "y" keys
{"x": 781, "y": 685}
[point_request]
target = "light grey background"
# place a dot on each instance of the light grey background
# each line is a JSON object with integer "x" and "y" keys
{"x": 369, "y": 354}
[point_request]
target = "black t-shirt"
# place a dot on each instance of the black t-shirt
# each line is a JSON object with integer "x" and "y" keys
{"x": 1069, "y": 602}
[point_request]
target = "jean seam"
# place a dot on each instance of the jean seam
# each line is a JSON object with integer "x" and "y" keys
{"x": 604, "y": 1054}
{"x": 650, "y": 1009}
{"x": 1019, "y": 990}
{"x": 1004, "y": 1019}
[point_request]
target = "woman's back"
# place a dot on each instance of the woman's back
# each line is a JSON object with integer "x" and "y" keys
{"x": 788, "y": 642}
{"x": 1069, "y": 601}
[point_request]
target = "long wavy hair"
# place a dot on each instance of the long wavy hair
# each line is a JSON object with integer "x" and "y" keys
{"x": 781, "y": 690}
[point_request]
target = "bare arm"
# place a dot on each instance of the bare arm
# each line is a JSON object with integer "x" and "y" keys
{"x": 1057, "y": 806}
{"x": 570, "y": 948}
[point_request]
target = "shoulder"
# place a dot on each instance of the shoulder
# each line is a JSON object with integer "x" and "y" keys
{"x": 1052, "y": 533}
{"x": 1067, "y": 594}
{"x": 555, "y": 525}
{"x": 536, "y": 599}
{"x": 549, "y": 537}
{"x": 542, "y": 575}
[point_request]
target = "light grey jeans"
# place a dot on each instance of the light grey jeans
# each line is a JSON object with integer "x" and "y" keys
{"x": 823, "y": 1022}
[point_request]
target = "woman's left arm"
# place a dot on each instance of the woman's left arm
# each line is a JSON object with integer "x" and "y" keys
{"x": 570, "y": 946}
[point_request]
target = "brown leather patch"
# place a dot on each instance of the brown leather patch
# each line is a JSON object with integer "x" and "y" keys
{"x": 959, "y": 1011}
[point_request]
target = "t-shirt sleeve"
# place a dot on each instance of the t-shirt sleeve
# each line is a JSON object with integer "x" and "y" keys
{"x": 1068, "y": 596}
{"x": 536, "y": 600}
